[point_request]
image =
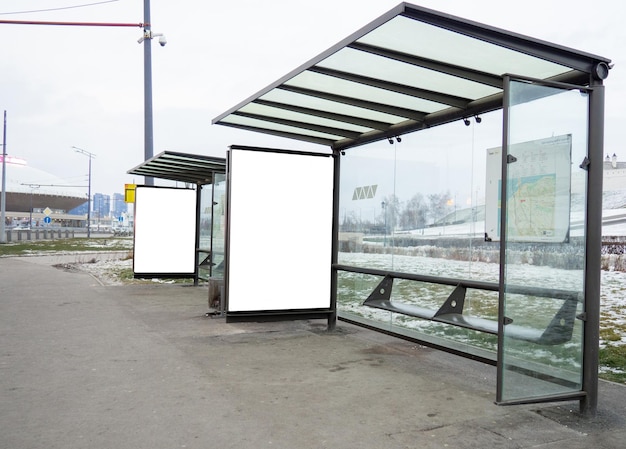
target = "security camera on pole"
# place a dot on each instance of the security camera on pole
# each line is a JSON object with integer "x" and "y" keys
{"x": 148, "y": 35}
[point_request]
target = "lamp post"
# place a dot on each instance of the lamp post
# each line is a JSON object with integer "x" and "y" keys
{"x": 32, "y": 192}
{"x": 90, "y": 156}
{"x": 3, "y": 198}
{"x": 384, "y": 206}
{"x": 146, "y": 39}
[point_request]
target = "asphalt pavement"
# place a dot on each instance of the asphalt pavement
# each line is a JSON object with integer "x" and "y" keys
{"x": 87, "y": 365}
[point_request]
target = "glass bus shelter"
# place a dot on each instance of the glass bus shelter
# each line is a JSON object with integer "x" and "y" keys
{"x": 179, "y": 232}
{"x": 467, "y": 191}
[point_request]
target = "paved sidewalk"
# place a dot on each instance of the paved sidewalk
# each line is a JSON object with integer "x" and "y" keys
{"x": 84, "y": 365}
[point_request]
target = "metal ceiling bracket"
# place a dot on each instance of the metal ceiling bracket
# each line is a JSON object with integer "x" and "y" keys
{"x": 585, "y": 163}
{"x": 382, "y": 292}
{"x": 454, "y": 303}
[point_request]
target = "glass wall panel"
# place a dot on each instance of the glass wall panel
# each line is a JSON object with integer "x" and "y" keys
{"x": 211, "y": 254}
{"x": 218, "y": 225}
{"x": 417, "y": 207}
{"x": 544, "y": 271}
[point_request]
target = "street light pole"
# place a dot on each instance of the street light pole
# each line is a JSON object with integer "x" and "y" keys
{"x": 146, "y": 39}
{"x": 3, "y": 198}
{"x": 30, "y": 215}
{"x": 90, "y": 156}
{"x": 147, "y": 86}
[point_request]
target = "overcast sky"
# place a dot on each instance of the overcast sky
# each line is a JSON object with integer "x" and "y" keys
{"x": 83, "y": 87}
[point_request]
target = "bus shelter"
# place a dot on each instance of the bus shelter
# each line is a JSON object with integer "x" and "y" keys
{"x": 466, "y": 192}
{"x": 179, "y": 231}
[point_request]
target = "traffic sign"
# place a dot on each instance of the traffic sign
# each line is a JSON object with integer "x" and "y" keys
{"x": 47, "y": 219}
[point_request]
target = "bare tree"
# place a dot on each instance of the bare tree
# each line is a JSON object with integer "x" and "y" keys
{"x": 415, "y": 212}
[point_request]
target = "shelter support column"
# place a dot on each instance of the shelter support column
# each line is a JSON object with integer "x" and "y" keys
{"x": 196, "y": 274}
{"x": 593, "y": 225}
{"x": 332, "y": 318}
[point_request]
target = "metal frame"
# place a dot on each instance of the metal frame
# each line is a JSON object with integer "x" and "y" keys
{"x": 586, "y": 71}
{"x": 198, "y": 170}
{"x": 588, "y": 395}
{"x": 582, "y": 65}
{"x": 329, "y": 313}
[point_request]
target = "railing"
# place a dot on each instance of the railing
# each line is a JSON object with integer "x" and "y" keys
{"x": 558, "y": 331}
{"x": 19, "y": 235}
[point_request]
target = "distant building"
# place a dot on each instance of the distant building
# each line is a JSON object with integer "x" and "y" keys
{"x": 101, "y": 205}
{"x": 614, "y": 174}
{"x": 32, "y": 195}
{"x": 119, "y": 206}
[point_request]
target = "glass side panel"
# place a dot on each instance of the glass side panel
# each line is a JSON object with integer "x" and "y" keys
{"x": 204, "y": 230}
{"x": 218, "y": 226}
{"x": 542, "y": 344}
{"x": 417, "y": 207}
{"x": 438, "y": 43}
{"x": 367, "y": 64}
{"x": 211, "y": 249}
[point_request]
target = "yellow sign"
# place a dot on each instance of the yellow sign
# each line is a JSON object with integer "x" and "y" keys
{"x": 129, "y": 193}
{"x": 47, "y": 211}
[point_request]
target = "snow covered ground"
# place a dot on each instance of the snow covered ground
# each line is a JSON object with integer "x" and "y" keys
{"x": 107, "y": 269}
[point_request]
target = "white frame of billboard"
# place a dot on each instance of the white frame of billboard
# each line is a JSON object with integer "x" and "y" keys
{"x": 165, "y": 232}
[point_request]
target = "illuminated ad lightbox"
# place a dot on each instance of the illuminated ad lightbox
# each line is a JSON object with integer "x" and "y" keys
{"x": 165, "y": 232}
{"x": 279, "y": 243}
{"x": 538, "y": 191}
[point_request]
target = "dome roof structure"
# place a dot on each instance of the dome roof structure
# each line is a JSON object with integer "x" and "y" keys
{"x": 25, "y": 184}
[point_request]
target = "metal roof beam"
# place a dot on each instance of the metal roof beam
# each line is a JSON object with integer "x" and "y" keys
{"x": 379, "y": 107}
{"x": 301, "y": 125}
{"x": 411, "y": 91}
{"x": 359, "y": 121}
{"x": 438, "y": 66}
{"x": 547, "y": 51}
{"x": 484, "y": 105}
{"x": 288, "y": 135}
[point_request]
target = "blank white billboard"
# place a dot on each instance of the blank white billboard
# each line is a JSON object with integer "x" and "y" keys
{"x": 165, "y": 231}
{"x": 280, "y": 231}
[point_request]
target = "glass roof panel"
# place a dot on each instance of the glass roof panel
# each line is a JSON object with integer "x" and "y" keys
{"x": 308, "y": 101}
{"x": 411, "y": 68}
{"x": 418, "y": 38}
{"x": 367, "y": 64}
{"x": 254, "y": 108}
{"x": 183, "y": 167}
{"x": 256, "y": 123}
{"x": 333, "y": 85}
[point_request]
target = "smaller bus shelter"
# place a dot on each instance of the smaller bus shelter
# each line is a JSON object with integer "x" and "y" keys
{"x": 179, "y": 231}
{"x": 466, "y": 191}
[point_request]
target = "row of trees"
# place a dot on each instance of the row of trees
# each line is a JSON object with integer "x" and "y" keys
{"x": 418, "y": 212}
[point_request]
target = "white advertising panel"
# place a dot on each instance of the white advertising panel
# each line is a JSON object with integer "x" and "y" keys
{"x": 280, "y": 231}
{"x": 165, "y": 231}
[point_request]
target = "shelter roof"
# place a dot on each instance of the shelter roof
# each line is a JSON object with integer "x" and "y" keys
{"x": 182, "y": 167}
{"x": 410, "y": 69}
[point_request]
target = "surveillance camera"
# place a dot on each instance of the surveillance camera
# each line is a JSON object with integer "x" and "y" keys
{"x": 162, "y": 41}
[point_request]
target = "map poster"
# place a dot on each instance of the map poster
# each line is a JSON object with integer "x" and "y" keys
{"x": 538, "y": 191}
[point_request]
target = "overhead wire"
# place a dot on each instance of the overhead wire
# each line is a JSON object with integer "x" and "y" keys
{"x": 84, "y": 5}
